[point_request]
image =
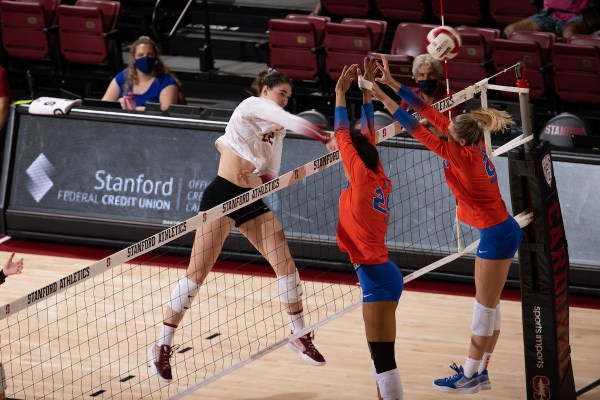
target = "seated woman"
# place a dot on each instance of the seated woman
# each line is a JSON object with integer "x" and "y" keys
{"x": 146, "y": 79}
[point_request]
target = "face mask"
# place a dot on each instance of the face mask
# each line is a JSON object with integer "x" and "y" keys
{"x": 428, "y": 86}
{"x": 146, "y": 64}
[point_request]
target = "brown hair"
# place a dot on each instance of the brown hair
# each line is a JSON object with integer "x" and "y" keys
{"x": 470, "y": 126}
{"x": 131, "y": 73}
{"x": 269, "y": 78}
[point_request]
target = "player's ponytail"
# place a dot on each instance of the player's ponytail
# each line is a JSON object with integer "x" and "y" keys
{"x": 471, "y": 126}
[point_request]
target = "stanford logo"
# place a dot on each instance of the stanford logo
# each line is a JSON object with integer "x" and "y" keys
{"x": 541, "y": 388}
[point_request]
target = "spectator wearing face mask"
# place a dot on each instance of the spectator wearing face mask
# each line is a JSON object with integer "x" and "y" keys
{"x": 146, "y": 79}
{"x": 427, "y": 73}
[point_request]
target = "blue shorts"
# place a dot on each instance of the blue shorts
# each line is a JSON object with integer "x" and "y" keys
{"x": 551, "y": 24}
{"x": 499, "y": 242}
{"x": 380, "y": 282}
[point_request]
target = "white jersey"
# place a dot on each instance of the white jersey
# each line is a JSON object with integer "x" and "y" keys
{"x": 256, "y": 130}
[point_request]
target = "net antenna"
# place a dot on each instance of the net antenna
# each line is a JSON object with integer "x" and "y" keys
{"x": 88, "y": 332}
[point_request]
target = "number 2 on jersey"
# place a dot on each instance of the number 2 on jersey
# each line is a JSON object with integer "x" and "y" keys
{"x": 381, "y": 202}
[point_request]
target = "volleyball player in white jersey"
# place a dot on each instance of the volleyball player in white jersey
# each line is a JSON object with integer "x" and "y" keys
{"x": 250, "y": 155}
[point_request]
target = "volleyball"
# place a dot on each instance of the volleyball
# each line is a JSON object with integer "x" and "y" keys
{"x": 443, "y": 43}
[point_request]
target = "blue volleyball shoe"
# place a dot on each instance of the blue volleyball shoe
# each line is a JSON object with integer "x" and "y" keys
{"x": 457, "y": 383}
{"x": 484, "y": 381}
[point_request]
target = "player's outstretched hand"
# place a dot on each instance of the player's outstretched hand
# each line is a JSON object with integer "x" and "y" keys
{"x": 345, "y": 79}
{"x": 13, "y": 267}
{"x": 386, "y": 76}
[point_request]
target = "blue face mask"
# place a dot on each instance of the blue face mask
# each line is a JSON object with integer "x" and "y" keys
{"x": 146, "y": 64}
{"x": 428, "y": 86}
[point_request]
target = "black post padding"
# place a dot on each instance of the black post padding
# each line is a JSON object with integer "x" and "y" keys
{"x": 544, "y": 274}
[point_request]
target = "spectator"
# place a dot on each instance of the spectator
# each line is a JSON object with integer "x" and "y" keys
{"x": 317, "y": 10}
{"x": 562, "y": 17}
{"x": 427, "y": 73}
{"x": 4, "y": 98}
{"x": 146, "y": 79}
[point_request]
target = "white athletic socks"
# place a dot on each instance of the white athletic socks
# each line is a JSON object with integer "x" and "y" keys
{"x": 471, "y": 366}
{"x": 484, "y": 363}
{"x": 297, "y": 320}
{"x": 167, "y": 333}
{"x": 390, "y": 385}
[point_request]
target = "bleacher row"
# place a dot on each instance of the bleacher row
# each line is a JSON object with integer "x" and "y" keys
{"x": 314, "y": 48}
{"x": 46, "y": 33}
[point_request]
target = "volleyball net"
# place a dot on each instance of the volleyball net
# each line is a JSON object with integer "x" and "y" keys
{"x": 87, "y": 334}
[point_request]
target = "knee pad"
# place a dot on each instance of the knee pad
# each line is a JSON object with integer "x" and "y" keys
{"x": 497, "y": 318}
{"x": 483, "y": 320}
{"x": 390, "y": 385}
{"x": 383, "y": 356}
{"x": 183, "y": 295}
{"x": 290, "y": 288}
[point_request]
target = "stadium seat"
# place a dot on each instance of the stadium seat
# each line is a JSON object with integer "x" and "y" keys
{"x": 347, "y": 8}
{"x": 409, "y": 41}
{"x": 293, "y": 46}
{"x": 27, "y": 29}
{"x": 576, "y": 68}
{"x": 459, "y": 12}
{"x": 531, "y": 48}
{"x": 411, "y": 11}
{"x": 378, "y": 29}
{"x": 318, "y": 22}
{"x": 505, "y": 12}
{"x": 345, "y": 44}
{"x": 87, "y": 33}
{"x": 473, "y": 63}
{"x": 585, "y": 40}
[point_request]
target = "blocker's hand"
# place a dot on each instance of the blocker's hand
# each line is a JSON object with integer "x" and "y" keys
{"x": 13, "y": 267}
{"x": 345, "y": 79}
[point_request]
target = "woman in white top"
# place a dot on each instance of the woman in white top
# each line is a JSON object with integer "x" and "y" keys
{"x": 250, "y": 154}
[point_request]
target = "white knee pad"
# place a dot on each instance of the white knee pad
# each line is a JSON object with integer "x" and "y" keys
{"x": 497, "y": 318}
{"x": 390, "y": 385}
{"x": 483, "y": 320}
{"x": 183, "y": 295}
{"x": 290, "y": 288}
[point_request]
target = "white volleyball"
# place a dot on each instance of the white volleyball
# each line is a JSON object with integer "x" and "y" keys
{"x": 443, "y": 43}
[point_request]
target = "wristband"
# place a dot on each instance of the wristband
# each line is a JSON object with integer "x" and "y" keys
{"x": 364, "y": 84}
{"x": 2, "y": 275}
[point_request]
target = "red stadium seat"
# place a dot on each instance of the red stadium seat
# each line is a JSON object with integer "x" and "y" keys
{"x": 505, "y": 12}
{"x": 26, "y": 28}
{"x": 377, "y": 27}
{"x": 345, "y": 44}
{"x": 411, "y": 11}
{"x": 577, "y": 70}
{"x": 531, "y": 48}
{"x": 292, "y": 45}
{"x": 87, "y": 30}
{"x": 459, "y": 12}
{"x": 585, "y": 40}
{"x": 318, "y": 23}
{"x": 473, "y": 63}
{"x": 409, "y": 41}
{"x": 347, "y": 8}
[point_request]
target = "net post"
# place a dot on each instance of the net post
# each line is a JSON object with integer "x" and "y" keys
{"x": 522, "y": 82}
{"x": 544, "y": 275}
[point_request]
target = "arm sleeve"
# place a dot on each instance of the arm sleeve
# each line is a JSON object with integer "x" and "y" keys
{"x": 354, "y": 165}
{"x": 367, "y": 122}
{"x": 426, "y": 110}
{"x": 272, "y": 112}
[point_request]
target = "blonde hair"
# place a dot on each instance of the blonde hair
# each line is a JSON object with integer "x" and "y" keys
{"x": 131, "y": 72}
{"x": 471, "y": 126}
